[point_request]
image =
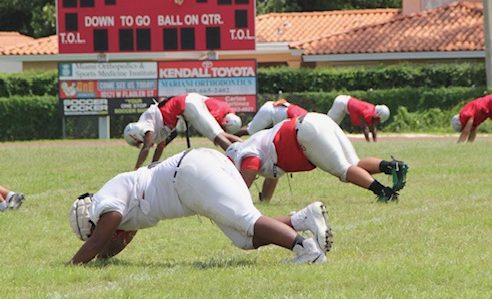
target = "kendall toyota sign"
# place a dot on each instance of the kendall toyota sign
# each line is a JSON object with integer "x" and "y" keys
{"x": 234, "y": 81}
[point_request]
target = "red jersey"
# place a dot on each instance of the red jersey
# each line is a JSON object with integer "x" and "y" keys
{"x": 290, "y": 156}
{"x": 219, "y": 109}
{"x": 358, "y": 109}
{"x": 480, "y": 109}
{"x": 173, "y": 108}
{"x": 295, "y": 111}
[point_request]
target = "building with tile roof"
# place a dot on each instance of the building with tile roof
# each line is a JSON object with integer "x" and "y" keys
{"x": 422, "y": 31}
{"x": 450, "y": 32}
{"x": 11, "y": 39}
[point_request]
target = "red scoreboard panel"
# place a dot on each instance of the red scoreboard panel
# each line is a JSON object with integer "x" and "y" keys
{"x": 94, "y": 26}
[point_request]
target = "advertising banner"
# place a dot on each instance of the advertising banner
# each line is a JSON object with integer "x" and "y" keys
{"x": 72, "y": 107}
{"x": 108, "y": 70}
{"x": 129, "y": 106}
{"x": 107, "y": 88}
{"x": 126, "y": 87}
{"x": 231, "y": 80}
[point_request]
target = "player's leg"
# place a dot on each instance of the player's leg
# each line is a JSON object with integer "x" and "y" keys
{"x": 338, "y": 109}
{"x": 313, "y": 218}
{"x": 10, "y": 199}
{"x": 209, "y": 184}
{"x": 3, "y": 196}
{"x": 317, "y": 136}
{"x": 197, "y": 114}
{"x": 328, "y": 148}
{"x": 263, "y": 118}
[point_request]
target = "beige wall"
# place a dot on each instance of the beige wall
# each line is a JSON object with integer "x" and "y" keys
{"x": 413, "y": 6}
{"x": 270, "y": 59}
{"x": 429, "y": 4}
{"x": 39, "y": 66}
{"x": 388, "y": 62}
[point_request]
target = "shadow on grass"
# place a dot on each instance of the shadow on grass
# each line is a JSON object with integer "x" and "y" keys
{"x": 215, "y": 262}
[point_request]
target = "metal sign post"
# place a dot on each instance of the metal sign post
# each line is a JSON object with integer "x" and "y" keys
{"x": 488, "y": 40}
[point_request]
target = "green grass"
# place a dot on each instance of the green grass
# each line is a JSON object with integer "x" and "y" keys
{"x": 434, "y": 243}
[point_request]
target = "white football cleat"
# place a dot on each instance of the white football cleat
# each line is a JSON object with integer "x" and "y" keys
{"x": 308, "y": 253}
{"x": 313, "y": 218}
{"x": 16, "y": 200}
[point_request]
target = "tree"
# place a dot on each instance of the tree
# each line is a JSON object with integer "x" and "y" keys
{"x": 266, "y": 6}
{"x": 33, "y": 18}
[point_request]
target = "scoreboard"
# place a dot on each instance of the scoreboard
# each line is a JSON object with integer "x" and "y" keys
{"x": 112, "y": 26}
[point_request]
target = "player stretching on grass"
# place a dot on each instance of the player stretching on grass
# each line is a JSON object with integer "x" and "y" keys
{"x": 198, "y": 181}
{"x": 157, "y": 125}
{"x": 471, "y": 116}
{"x": 362, "y": 114}
{"x": 10, "y": 199}
{"x": 307, "y": 142}
{"x": 270, "y": 114}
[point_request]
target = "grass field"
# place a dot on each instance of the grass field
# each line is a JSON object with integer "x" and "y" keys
{"x": 434, "y": 243}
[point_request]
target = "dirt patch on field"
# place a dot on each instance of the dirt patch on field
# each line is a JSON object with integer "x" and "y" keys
{"x": 406, "y": 137}
{"x": 63, "y": 143}
{"x": 195, "y": 142}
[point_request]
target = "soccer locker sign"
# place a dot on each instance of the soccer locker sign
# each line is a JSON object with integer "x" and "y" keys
{"x": 95, "y": 26}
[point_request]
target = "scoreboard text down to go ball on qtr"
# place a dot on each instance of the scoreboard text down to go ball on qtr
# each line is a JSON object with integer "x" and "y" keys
{"x": 94, "y": 26}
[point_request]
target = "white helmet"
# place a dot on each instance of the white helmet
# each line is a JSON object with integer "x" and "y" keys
{"x": 79, "y": 216}
{"x": 232, "y": 123}
{"x": 232, "y": 150}
{"x": 383, "y": 112}
{"x": 456, "y": 123}
{"x": 133, "y": 134}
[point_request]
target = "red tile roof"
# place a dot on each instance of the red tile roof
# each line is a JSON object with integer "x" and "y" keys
{"x": 41, "y": 46}
{"x": 9, "y": 39}
{"x": 454, "y": 27}
{"x": 285, "y": 27}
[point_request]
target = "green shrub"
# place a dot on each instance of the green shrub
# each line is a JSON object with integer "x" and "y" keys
{"x": 431, "y": 120}
{"x": 27, "y": 118}
{"x": 275, "y": 79}
{"x": 45, "y": 83}
{"x": 29, "y": 83}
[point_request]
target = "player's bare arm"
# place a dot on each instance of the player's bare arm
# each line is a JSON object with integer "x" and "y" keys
{"x": 249, "y": 176}
{"x": 118, "y": 242}
{"x": 269, "y": 185}
{"x": 233, "y": 138}
{"x": 241, "y": 132}
{"x": 467, "y": 130}
{"x": 374, "y": 132}
{"x": 473, "y": 134}
{"x": 144, "y": 151}
{"x": 365, "y": 129}
{"x": 158, "y": 151}
{"x": 99, "y": 239}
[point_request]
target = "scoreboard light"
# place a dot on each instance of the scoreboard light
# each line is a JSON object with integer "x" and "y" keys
{"x": 94, "y": 26}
